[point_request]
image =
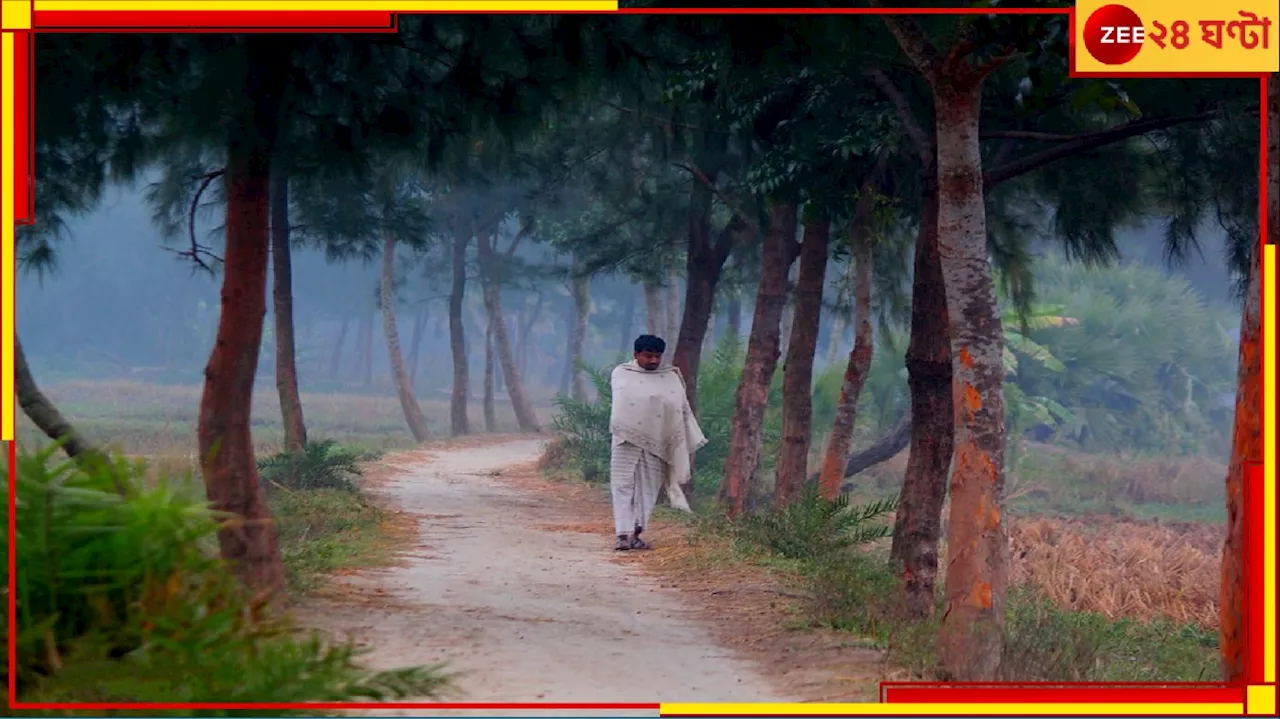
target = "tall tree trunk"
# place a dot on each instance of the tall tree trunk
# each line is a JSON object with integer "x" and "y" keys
{"x": 797, "y": 371}
{"x": 458, "y": 419}
{"x": 1246, "y": 448}
{"x": 42, "y": 412}
{"x": 655, "y": 318}
{"x": 918, "y": 521}
{"x": 399, "y": 377}
{"x": 490, "y": 412}
{"x": 295, "y": 430}
{"x": 526, "y": 332}
{"x": 223, "y": 433}
{"x": 761, "y": 360}
{"x": 704, "y": 263}
{"x": 971, "y": 638}
{"x": 415, "y": 343}
{"x": 525, "y": 417}
{"x": 1246, "y": 441}
{"x": 581, "y": 285}
{"x": 855, "y": 372}
{"x": 335, "y": 359}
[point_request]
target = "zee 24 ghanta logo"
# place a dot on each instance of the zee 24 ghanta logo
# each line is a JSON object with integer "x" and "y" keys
{"x": 1115, "y": 34}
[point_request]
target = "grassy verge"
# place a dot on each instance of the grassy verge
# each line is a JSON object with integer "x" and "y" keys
{"x": 323, "y": 531}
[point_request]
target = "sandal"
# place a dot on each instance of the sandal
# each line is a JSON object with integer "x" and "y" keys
{"x": 638, "y": 543}
{"x": 623, "y": 544}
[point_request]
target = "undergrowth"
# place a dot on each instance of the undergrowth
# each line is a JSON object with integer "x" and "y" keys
{"x": 121, "y": 597}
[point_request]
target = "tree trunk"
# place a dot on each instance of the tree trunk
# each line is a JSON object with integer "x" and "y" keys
{"x": 855, "y": 373}
{"x": 1246, "y": 448}
{"x": 581, "y": 316}
{"x": 526, "y": 332}
{"x": 415, "y": 343}
{"x": 797, "y": 371}
{"x": 883, "y": 450}
{"x": 918, "y": 521}
{"x": 399, "y": 377}
{"x": 490, "y": 412}
{"x": 458, "y": 419}
{"x": 335, "y": 359}
{"x": 223, "y": 429}
{"x": 971, "y": 638}
{"x": 525, "y": 417}
{"x": 655, "y": 318}
{"x": 704, "y": 263}
{"x": 1246, "y": 441}
{"x": 752, "y": 396}
{"x": 42, "y": 412}
{"x": 295, "y": 430}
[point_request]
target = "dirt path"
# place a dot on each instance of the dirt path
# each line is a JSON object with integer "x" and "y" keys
{"x": 522, "y": 608}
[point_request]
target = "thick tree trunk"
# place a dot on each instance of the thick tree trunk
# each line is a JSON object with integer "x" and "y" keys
{"x": 42, "y": 412}
{"x": 655, "y": 317}
{"x": 581, "y": 285}
{"x": 223, "y": 429}
{"x": 490, "y": 411}
{"x": 335, "y": 359}
{"x": 295, "y": 430}
{"x": 1246, "y": 448}
{"x": 704, "y": 263}
{"x": 855, "y": 373}
{"x": 1246, "y": 443}
{"x": 971, "y": 638}
{"x": 761, "y": 360}
{"x": 525, "y": 417}
{"x": 918, "y": 521}
{"x": 797, "y": 370}
{"x": 458, "y": 420}
{"x": 413, "y": 416}
{"x": 415, "y": 343}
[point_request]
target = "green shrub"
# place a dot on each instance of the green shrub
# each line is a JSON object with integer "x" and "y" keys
{"x": 121, "y": 597}
{"x": 584, "y": 427}
{"x": 320, "y": 465}
{"x": 811, "y": 527}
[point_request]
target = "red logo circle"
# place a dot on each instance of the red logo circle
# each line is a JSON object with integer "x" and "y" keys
{"x": 1113, "y": 34}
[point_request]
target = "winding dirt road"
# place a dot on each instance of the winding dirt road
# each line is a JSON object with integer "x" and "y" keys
{"x": 521, "y": 608}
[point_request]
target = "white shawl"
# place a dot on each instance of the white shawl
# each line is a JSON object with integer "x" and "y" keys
{"x": 651, "y": 411}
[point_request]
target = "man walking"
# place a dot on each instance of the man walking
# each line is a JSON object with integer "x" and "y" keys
{"x": 654, "y": 435}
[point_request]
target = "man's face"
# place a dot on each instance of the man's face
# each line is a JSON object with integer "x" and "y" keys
{"x": 649, "y": 360}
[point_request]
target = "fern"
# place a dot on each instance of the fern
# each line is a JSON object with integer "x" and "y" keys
{"x": 812, "y": 527}
{"x": 320, "y": 465}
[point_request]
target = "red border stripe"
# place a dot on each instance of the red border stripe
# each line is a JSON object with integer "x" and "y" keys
{"x": 942, "y": 694}
{"x": 213, "y": 20}
{"x": 24, "y": 210}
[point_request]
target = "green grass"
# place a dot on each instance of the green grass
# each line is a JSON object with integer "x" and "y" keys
{"x": 326, "y": 530}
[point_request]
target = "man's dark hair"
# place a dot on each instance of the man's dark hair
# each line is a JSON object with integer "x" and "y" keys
{"x": 650, "y": 343}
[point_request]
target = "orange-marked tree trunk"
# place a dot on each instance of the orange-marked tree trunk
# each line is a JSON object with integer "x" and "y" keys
{"x": 761, "y": 360}
{"x": 971, "y": 638}
{"x": 1246, "y": 441}
{"x": 797, "y": 372}
{"x": 227, "y": 461}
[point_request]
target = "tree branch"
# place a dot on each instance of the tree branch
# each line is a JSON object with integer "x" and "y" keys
{"x": 1084, "y": 143}
{"x": 921, "y": 139}
{"x": 729, "y": 202}
{"x": 913, "y": 41}
{"x": 197, "y": 250}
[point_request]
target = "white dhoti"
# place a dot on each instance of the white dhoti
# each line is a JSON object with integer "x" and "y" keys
{"x": 635, "y": 479}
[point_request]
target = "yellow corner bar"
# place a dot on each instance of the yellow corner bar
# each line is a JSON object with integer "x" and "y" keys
{"x": 873, "y": 709}
{"x": 8, "y": 252}
{"x": 326, "y": 5}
